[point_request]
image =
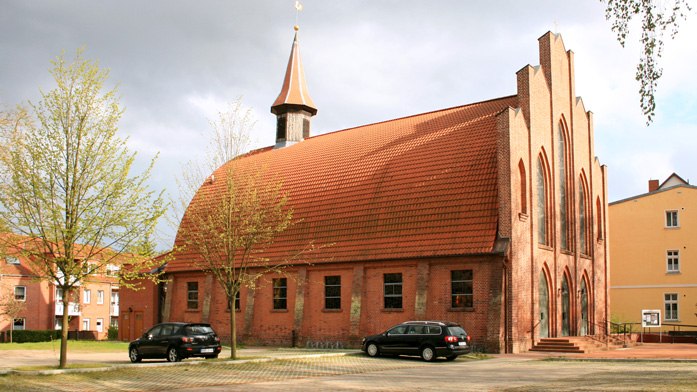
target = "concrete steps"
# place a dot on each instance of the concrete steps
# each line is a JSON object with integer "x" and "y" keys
{"x": 557, "y": 345}
{"x": 577, "y": 344}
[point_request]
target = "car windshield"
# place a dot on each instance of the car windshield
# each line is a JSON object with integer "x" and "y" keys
{"x": 198, "y": 330}
{"x": 457, "y": 331}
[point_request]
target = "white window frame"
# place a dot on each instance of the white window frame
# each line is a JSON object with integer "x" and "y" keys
{"x": 670, "y": 220}
{"x": 87, "y": 296}
{"x": 24, "y": 293}
{"x": 85, "y": 324}
{"x": 673, "y": 261}
{"x": 24, "y": 324}
{"x": 100, "y": 297}
{"x": 671, "y": 301}
{"x": 100, "y": 325}
{"x": 12, "y": 260}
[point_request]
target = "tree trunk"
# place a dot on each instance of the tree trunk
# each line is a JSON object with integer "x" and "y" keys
{"x": 64, "y": 330}
{"x": 233, "y": 330}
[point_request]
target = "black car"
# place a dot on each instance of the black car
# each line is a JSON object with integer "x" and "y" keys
{"x": 176, "y": 341}
{"x": 428, "y": 339}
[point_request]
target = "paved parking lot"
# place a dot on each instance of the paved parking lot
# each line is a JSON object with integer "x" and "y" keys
{"x": 300, "y": 370}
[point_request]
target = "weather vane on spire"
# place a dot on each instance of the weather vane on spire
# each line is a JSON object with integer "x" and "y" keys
{"x": 298, "y": 8}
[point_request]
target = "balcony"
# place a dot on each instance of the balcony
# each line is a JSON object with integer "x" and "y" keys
{"x": 115, "y": 309}
{"x": 73, "y": 309}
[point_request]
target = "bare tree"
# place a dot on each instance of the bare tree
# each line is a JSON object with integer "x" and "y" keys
{"x": 656, "y": 19}
{"x": 227, "y": 229}
{"x": 66, "y": 188}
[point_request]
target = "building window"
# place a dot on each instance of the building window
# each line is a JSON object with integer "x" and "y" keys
{"x": 192, "y": 295}
{"x": 673, "y": 260}
{"x": 671, "y": 306}
{"x": 88, "y": 296}
{"x": 583, "y": 217}
{"x": 59, "y": 294}
{"x": 20, "y": 293}
{"x": 332, "y": 292}
{"x": 542, "y": 203}
{"x": 672, "y": 219}
{"x": 306, "y": 128}
{"x": 86, "y": 324}
{"x": 237, "y": 302}
{"x": 19, "y": 324}
{"x": 523, "y": 188}
{"x": 461, "y": 292}
{"x": 393, "y": 291}
{"x": 100, "y": 297}
{"x": 114, "y": 298}
{"x": 12, "y": 260}
{"x": 280, "y": 293}
{"x": 562, "y": 163}
{"x": 281, "y": 128}
{"x": 100, "y": 325}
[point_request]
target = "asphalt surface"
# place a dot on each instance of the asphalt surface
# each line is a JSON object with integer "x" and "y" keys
{"x": 647, "y": 367}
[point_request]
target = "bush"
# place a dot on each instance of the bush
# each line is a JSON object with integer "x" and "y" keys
{"x": 25, "y": 336}
{"x": 113, "y": 333}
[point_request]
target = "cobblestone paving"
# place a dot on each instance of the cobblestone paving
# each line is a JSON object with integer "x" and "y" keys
{"x": 205, "y": 375}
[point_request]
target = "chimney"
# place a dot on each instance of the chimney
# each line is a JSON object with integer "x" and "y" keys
{"x": 653, "y": 185}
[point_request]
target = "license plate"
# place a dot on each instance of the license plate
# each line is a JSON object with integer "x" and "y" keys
{"x": 206, "y": 350}
{"x": 462, "y": 343}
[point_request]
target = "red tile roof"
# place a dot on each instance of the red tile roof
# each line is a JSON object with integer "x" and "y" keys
{"x": 419, "y": 186}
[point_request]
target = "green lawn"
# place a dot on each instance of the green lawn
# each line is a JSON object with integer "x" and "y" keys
{"x": 73, "y": 346}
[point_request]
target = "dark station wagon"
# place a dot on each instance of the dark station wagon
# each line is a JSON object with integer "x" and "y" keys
{"x": 176, "y": 341}
{"x": 428, "y": 339}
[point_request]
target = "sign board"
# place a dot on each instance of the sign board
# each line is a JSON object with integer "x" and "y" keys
{"x": 651, "y": 318}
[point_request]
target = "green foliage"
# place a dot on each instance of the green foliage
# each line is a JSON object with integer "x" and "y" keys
{"x": 66, "y": 186}
{"x": 656, "y": 18}
{"x": 27, "y": 336}
{"x": 113, "y": 333}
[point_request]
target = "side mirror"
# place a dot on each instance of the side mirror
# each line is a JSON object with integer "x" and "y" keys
{"x": 147, "y": 336}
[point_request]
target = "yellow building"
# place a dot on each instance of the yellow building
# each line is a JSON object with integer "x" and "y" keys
{"x": 654, "y": 254}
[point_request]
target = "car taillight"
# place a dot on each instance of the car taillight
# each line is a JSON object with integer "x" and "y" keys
{"x": 451, "y": 339}
{"x": 187, "y": 339}
{"x": 468, "y": 338}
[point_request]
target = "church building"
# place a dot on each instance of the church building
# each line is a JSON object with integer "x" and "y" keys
{"x": 491, "y": 214}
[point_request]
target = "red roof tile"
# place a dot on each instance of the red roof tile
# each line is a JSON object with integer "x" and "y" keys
{"x": 419, "y": 186}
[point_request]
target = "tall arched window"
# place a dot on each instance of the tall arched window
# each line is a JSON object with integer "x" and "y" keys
{"x": 542, "y": 202}
{"x": 523, "y": 188}
{"x": 583, "y": 216}
{"x": 562, "y": 179}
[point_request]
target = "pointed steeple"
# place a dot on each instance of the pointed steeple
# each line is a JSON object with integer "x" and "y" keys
{"x": 293, "y": 107}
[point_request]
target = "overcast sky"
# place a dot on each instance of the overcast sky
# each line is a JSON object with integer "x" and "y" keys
{"x": 177, "y": 63}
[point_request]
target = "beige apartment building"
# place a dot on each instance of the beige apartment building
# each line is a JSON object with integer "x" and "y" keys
{"x": 654, "y": 255}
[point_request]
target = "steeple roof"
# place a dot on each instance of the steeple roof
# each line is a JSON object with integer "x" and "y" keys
{"x": 294, "y": 90}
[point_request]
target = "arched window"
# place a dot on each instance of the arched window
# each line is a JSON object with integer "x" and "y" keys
{"x": 598, "y": 218}
{"x": 523, "y": 188}
{"x": 584, "y": 216}
{"x": 543, "y": 233}
{"x": 562, "y": 179}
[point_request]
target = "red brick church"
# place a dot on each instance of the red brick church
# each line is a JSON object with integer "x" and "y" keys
{"x": 491, "y": 214}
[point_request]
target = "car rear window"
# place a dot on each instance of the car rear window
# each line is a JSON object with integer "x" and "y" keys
{"x": 198, "y": 330}
{"x": 456, "y": 331}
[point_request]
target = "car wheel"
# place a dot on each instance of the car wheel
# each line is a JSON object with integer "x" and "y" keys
{"x": 372, "y": 350}
{"x": 451, "y": 357}
{"x": 173, "y": 355}
{"x": 134, "y": 355}
{"x": 427, "y": 353}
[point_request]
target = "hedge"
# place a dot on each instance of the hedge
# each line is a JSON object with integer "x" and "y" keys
{"x": 26, "y": 336}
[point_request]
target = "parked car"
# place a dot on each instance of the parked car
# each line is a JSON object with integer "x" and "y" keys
{"x": 176, "y": 341}
{"x": 428, "y": 339}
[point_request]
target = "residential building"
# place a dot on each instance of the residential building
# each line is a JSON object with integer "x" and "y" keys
{"x": 92, "y": 308}
{"x": 491, "y": 214}
{"x": 654, "y": 264}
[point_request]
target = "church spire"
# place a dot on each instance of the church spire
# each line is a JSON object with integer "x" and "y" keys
{"x": 293, "y": 107}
